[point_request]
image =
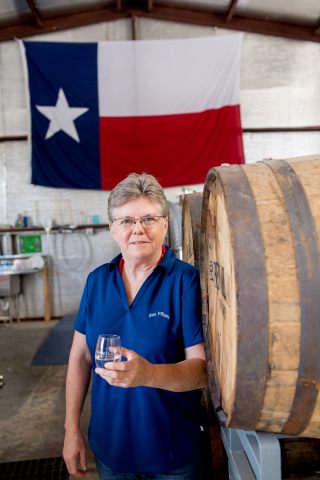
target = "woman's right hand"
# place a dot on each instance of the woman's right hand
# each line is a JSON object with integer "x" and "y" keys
{"x": 74, "y": 447}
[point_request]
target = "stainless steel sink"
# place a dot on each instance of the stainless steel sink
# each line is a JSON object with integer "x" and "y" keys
{"x": 9, "y": 285}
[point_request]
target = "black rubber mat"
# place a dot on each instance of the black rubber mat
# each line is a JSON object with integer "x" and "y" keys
{"x": 56, "y": 348}
{"x": 43, "y": 469}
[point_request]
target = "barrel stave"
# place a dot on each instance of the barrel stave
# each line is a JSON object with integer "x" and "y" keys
{"x": 221, "y": 294}
{"x": 191, "y": 221}
{"x": 283, "y": 296}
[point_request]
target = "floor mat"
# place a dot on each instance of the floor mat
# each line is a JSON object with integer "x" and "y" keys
{"x": 43, "y": 469}
{"x": 56, "y": 348}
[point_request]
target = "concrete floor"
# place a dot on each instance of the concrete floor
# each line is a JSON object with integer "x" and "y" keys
{"x": 32, "y": 402}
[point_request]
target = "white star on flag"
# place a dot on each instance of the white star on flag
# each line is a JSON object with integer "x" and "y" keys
{"x": 62, "y": 117}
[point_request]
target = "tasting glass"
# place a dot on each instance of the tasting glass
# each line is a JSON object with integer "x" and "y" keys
{"x": 108, "y": 349}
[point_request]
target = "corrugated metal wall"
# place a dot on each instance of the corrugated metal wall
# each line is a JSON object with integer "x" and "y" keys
{"x": 279, "y": 88}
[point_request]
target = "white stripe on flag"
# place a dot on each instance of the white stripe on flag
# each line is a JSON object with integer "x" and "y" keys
{"x": 163, "y": 77}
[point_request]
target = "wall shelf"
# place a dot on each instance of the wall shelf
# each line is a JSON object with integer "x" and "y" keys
{"x": 54, "y": 229}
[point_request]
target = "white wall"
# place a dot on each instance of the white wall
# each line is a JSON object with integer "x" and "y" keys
{"x": 279, "y": 88}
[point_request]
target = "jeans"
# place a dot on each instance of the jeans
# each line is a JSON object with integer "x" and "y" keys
{"x": 192, "y": 471}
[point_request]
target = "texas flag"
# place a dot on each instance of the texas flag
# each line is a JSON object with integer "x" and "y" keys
{"x": 100, "y": 111}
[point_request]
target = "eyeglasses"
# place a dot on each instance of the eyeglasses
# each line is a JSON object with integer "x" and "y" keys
{"x": 129, "y": 222}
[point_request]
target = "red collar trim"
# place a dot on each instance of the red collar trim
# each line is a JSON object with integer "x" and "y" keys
{"x": 121, "y": 263}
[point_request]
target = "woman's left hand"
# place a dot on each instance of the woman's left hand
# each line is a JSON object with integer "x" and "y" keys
{"x": 136, "y": 372}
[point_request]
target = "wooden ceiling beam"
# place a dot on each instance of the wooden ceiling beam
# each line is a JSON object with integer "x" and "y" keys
{"x": 133, "y": 27}
{"x": 174, "y": 14}
{"x": 64, "y": 22}
{"x": 243, "y": 24}
{"x": 35, "y": 12}
{"x": 118, "y": 5}
{"x": 231, "y": 10}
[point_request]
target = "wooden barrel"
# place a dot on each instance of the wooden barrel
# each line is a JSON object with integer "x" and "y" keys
{"x": 191, "y": 221}
{"x": 214, "y": 465}
{"x": 260, "y": 274}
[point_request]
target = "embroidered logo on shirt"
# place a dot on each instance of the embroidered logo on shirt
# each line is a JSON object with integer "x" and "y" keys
{"x": 160, "y": 314}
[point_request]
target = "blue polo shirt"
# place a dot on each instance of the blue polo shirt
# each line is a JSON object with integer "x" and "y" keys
{"x": 143, "y": 429}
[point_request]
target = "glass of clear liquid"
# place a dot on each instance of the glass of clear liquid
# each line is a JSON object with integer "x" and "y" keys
{"x": 108, "y": 349}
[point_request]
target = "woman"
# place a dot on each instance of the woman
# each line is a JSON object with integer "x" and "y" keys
{"x": 144, "y": 421}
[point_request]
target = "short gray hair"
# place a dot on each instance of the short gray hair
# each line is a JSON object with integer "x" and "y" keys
{"x": 136, "y": 186}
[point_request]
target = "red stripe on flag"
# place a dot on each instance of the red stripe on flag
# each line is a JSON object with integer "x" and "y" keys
{"x": 176, "y": 149}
